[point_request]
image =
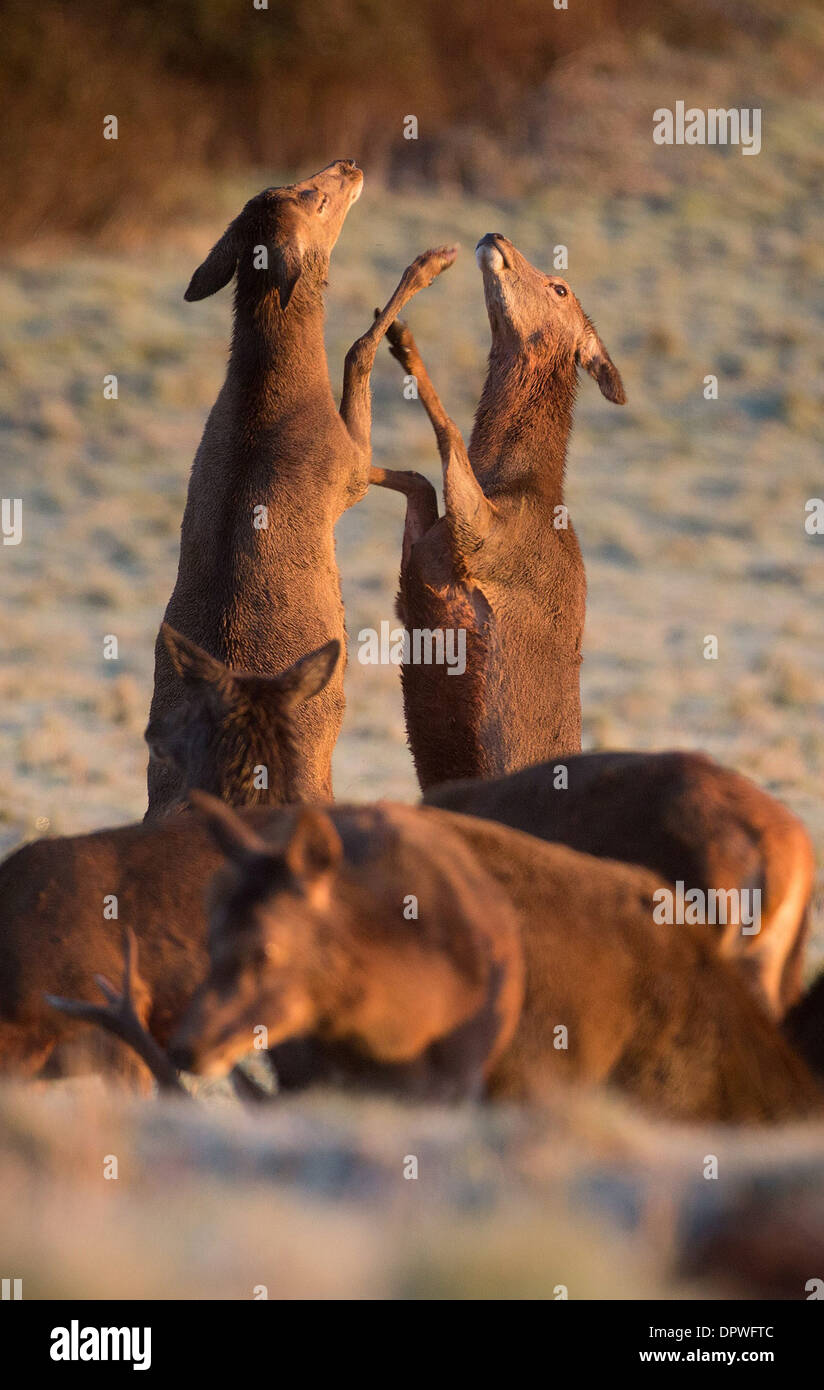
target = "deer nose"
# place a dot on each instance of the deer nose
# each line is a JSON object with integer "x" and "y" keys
{"x": 491, "y": 250}
{"x": 348, "y": 166}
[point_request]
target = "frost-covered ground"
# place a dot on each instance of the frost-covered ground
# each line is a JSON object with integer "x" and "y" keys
{"x": 691, "y": 517}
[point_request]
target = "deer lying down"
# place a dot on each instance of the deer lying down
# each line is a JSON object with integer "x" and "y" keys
{"x": 307, "y": 937}
{"x": 53, "y": 892}
{"x": 278, "y": 464}
{"x": 502, "y": 565}
{"x": 680, "y": 814}
{"x": 655, "y": 1011}
{"x": 687, "y": 819}
{"x": 420, "y": 1005}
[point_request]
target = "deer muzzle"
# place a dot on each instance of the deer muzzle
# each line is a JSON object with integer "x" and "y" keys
{"x": 491, "y": 253}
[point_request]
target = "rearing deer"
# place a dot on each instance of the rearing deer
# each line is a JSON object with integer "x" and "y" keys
{"x": 257, "y": 584}
{"x": 503, "y": 564}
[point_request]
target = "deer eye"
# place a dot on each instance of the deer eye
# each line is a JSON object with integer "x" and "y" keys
{"x": 560, "y": 289}
{"x": 323, "y": 204}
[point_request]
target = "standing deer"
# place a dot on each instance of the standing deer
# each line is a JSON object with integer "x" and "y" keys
{"x": 687, "y": 819}
{"x": 257, "y": 582}
{"x": 502, "y": 563}
{"x": 308, "y": 938}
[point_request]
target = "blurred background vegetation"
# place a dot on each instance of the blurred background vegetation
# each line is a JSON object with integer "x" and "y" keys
{"x": 513, "y": 94}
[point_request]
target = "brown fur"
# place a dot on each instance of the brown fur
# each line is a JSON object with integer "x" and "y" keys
{"x": 259, "y": 599}
{"x": 448, "y": 985}
{"x": 651, "y": 1010}
{"x": 804, "y": 1026}
{"x": 495, "y": 564}
{"x": 232, "y": 722}
{"x": 684, "y": 817}
{"x": 228, "y": 722}
{"x": 308, "y": 936}
{"x": 54, "y": 938}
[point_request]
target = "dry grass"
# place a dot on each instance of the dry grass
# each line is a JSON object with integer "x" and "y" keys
{"x": 309, "y": 1199}
{"x": 691, "y": 517}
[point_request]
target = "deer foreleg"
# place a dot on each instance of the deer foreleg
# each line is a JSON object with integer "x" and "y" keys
{"x": 356, "y": 403}
{"x": 469, "y": 513}
{"x": 421, "y": 503}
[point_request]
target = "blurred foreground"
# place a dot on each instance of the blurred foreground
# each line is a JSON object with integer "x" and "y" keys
{"x": 310, "y": 1199}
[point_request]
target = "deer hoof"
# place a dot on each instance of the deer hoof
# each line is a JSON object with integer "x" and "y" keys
{"x": 429, "y": 265}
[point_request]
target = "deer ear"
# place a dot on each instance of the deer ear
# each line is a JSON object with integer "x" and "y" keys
{"x": 314, "y": 848}
{"x": 238, "y": 841}
{"x": 287, "y": 264}
{"x": 594, "y": 358}
{"x": 192, "y": 663}
{"x": 310, "y": 675}
{"x": 217, "y": 269}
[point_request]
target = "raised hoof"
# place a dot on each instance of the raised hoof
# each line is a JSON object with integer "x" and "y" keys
{"x": 401, "y": 342}
{"x": 430, "y": 264}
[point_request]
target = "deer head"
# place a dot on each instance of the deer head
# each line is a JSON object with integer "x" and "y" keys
{"x": 297, "y": 226}
{"x": 272, "y": 963}
{"x": 537, "y": 313}
{"x": 232, "y": 734}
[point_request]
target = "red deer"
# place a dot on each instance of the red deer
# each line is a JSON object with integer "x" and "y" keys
{"x": 502, "y": 565}
{"x": 687, "y": 819}
{"x": 372, "y": 932}
{"x": 233, "y": 734}
{"x": 257, "y": 582}
{"x": 61, "y": 899}
{"x": 418, "y": 1000}
{"x": 680, "y": 814}
{"x": 305, "y": 940}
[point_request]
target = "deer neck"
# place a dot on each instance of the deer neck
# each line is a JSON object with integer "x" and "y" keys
{"x": 522, "y": 424}
{"x": 278, "y": 361}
